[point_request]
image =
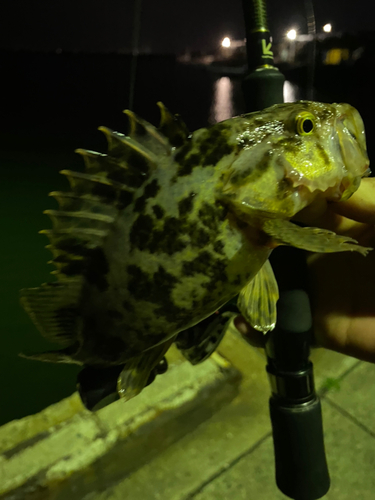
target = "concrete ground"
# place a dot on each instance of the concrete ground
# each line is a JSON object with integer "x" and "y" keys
{"x": 230, "y": 456}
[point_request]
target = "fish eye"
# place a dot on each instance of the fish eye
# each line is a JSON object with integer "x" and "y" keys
{"x": 305, "y": 123}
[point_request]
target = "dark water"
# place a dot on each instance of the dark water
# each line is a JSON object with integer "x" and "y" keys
{"x": 53, "y": 104}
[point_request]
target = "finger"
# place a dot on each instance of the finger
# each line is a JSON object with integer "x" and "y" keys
{"x": 252, "y": 337}
{"x": 361, "y": 206}
{"x": 332, "y": 221}
{"x": 342, "y": 216}
{"x": 354, "y": 218}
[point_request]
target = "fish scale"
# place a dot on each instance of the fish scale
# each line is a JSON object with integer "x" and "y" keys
{"x": 167, "y": 226}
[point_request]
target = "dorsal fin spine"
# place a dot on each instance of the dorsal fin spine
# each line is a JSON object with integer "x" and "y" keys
{"x": 121, "y": 146}
{"x": 99, "y": 162}
{"x": 73, "y": 202}
{"x": 173, "y": 127}
{"x": 146, "y": 134}
{"x": 83, "y": 231}
{"x": 90, "y": 177}
{"x": 70, "y": 237}
{"x": 80, "y": 215}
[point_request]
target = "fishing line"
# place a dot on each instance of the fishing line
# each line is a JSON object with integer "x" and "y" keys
{"x": 135, "y": 50}
{"x": 311, "y": 30}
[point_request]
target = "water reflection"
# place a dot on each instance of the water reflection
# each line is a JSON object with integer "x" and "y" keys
{"x": 290, "y": 92}
{"x": 222, "y": 102}
{"x": 225, "y": 90}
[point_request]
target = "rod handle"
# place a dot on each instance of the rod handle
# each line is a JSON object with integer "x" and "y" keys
{"x": 300, "y": 460}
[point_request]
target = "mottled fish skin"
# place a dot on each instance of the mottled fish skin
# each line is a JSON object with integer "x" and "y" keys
{"x": 167, "y": 227}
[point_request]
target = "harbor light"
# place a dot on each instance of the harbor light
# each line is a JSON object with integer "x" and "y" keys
{"x": 291, "y": 34}
{"x": 327, "y": 28}
{"x": 226, "y": 42}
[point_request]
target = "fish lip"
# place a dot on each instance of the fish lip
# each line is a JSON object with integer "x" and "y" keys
{"x": 368, "y": 170}
{"x": 352, "y": 149}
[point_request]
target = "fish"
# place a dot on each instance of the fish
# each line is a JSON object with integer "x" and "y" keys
{"x": 165, "y": 228}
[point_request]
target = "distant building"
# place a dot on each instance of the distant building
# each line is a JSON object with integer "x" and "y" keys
{"x": 331, "y": 48}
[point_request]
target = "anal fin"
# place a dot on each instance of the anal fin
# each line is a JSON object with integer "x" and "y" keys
{"x": 200, "y": 341}
{"x": 257, "y": 301}
{"x": 136, "y": 373}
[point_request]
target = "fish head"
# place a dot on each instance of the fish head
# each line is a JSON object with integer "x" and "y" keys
{"x": 291, "y": 155}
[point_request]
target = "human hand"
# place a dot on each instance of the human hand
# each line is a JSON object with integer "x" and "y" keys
{"x": 342, "y": 285}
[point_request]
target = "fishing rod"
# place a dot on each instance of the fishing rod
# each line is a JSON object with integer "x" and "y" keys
{"x": 311, "y": 30}
{"x": 295, "y": 409}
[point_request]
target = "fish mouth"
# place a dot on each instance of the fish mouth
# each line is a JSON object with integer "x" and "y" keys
{"x": 347, "y": 187}
{"x": 318, "y": 207}
{"x": 350, "y": 145}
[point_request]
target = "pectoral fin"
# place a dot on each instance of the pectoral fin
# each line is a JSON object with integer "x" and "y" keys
{"x": 257, "y": 301}
{"x": 312, "y": 239}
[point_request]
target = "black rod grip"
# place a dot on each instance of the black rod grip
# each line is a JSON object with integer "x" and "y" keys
{"x": 300, "y": 460}
{"x": 263, "y": 88}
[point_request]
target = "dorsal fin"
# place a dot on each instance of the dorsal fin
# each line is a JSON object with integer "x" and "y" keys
{"x": 53, "y": 309}
{"x": 79, "y": 226}
{"x": 88, "y": 203}
{"x": 76, "y": 241}
{"x": 132, "y": 152}
{"x": 66, "y": 220}
{"x": 70, "y": 263}
{"x": 147, "y": 135}
{"x": 65, "y": 262}
{"x": 93, "y": 205}
{"x": 108, "y": 185}
{"x": 99, "y": 185}
{"x": 173, "y": 127}
{"x": 76, "y": 251}
{"x": 115, "y": 169}
{"x": 86, "y": 215}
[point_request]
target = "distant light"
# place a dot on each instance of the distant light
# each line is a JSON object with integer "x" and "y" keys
{"x": 327, "y": 28}
{"x": 292, "y": 34}
{"x": 226, "y": 42}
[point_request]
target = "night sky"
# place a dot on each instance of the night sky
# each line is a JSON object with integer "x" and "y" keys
{"x": 167, "y": 25}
